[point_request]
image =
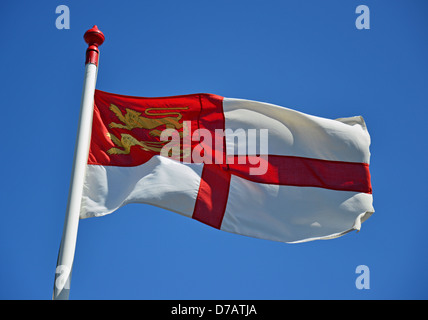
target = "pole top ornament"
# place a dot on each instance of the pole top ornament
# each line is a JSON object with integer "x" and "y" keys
{"x": 94, "y": 38}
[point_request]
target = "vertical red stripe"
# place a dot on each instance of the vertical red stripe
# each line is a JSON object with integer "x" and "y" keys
{"x": 214, "y": 187}
{"x": 212, "y": 196}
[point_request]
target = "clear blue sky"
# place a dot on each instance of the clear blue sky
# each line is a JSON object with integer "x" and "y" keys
{"x": 307, "y": 55}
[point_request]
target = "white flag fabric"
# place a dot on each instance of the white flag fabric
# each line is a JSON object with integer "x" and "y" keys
{"x": 241, "y": 166}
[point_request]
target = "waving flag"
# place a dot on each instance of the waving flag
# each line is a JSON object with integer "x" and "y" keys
{"x": 246, "y": 167}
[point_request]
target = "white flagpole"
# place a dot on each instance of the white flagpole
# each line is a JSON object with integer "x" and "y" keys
{"x": 93, "y": 38}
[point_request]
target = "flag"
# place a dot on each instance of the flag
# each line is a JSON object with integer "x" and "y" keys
{"x": 241, "y": 166}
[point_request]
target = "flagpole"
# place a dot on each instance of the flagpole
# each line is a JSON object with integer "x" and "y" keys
{"x": 94, "y": 38}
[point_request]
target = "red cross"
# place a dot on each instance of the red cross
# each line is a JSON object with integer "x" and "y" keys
{"x": 205, "y": 111}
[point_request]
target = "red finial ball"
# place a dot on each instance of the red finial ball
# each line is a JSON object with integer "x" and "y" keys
{"x": 94, "y": 36}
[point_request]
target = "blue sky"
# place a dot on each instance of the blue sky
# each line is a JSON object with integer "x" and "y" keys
{"x": 307, "y": 55}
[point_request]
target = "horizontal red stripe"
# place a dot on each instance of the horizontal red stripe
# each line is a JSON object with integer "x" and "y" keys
{"x": 306, "y": 172}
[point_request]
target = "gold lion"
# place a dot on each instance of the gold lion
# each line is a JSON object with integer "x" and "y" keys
{"x": 126, "y": 141}
{"x": 133, "y": 119}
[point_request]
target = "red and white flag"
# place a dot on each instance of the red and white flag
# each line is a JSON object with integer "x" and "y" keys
{"x": 246, "y": 167}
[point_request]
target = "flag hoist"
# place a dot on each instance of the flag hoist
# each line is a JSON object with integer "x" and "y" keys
{"x": 94, "y": 38}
